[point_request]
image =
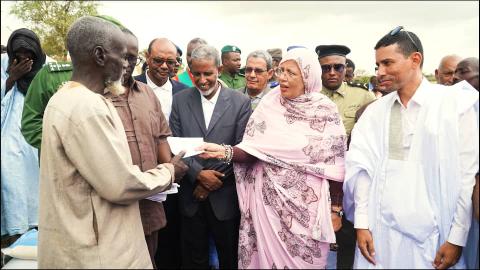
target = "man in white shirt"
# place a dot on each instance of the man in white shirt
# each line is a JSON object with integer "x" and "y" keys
{"x": 446, "y": 69}
{"x": 411, "y": 165}
{"x": 161, "y": 60}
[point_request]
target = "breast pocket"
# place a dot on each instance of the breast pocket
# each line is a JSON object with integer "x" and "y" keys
{"x": 405, "y": 206}
{"x": 155, "y": 125}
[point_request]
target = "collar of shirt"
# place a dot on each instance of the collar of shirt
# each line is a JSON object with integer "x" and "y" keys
{"x": 342, "y": 90}
{"x": 259, "y": 96}
{"x": 419, "y": 97}
{"x": 166, "y": 87}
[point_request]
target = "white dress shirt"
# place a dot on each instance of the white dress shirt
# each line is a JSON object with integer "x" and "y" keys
{"x": 209, "y": 105}
{"x": 164, "y": 95}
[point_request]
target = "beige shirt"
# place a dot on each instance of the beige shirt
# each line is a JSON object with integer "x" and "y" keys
{"x": 89, "y": 189}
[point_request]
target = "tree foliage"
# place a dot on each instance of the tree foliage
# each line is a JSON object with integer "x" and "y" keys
{"x": 50, "y": 20}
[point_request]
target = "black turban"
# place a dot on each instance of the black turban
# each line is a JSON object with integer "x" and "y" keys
{"x": 27, "y": 39}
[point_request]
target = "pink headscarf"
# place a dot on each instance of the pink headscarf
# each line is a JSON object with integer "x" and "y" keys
{"x": 306, "y": 131}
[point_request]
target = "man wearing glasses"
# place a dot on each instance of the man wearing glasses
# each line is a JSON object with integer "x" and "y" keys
{"x": 411, "y": 165}
{"x": 258, "y": 72}
{"x": 348, "y": 100}
{"x": 161, "y": 60}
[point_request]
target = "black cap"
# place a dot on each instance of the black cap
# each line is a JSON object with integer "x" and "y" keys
{"x": 326, "y": 50}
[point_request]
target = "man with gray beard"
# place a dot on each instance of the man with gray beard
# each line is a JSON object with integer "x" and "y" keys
{"x": 207, "y": 197}
{"x": 89, "y": 189}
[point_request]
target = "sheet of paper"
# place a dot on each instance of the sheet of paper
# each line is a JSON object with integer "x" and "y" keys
{"x": 178, "y": 144}
{"x": 162, "y": 196}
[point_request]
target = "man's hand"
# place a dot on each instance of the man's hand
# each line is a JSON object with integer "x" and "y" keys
{"x": 200, "y": 193}
{"x": 336, "y": 222}
{"x": 211, "y": 150}
{"x": 210, "y": 180}
{"x": 447, "y": 256}
{"x": 179, "y": 166}
{"x": 365, "y": 244}
{"x": 17, "y": 69}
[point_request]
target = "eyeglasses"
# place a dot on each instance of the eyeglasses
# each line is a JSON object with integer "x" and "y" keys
{"x": 280, "y": 71}
{"x": 397, "y": 30}
{"x": 249, "y": 70}
{"x": 134, "y": 60}
{"x": 179, "y": 60}
{"x": 337, "y": 67}
{"x": 160, "y": 61}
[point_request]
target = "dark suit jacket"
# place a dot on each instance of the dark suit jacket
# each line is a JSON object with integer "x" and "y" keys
{"x": 227, "y": 126}
{"x": 176, "y": 86}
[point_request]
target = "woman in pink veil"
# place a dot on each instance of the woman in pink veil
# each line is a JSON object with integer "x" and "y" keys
{"x": 293, "y": 143}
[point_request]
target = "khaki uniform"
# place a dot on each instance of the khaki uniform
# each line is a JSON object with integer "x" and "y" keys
{"x": 348, "y": 99}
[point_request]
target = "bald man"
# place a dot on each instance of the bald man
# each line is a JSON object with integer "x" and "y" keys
{"x": 161, "y": 61}
{"x": 446, "y": 68}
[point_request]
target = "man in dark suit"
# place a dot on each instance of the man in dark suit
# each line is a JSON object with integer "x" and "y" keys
{"x": 161, "y": 61}
{"x": 208, "y": 197}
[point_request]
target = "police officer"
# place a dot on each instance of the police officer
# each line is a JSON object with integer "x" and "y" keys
{"x": 46, "y": 83}
{"x": 348, "y": 100}
{"x": 231, "y": 67}
{"x": 276, "y": 54}
{"x": 350, "y": 75}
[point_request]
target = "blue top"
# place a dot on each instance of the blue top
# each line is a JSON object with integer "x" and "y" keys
{"x": 19, "y": 165}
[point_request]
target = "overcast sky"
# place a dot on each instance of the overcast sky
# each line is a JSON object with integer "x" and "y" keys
{"x": 443, "y": 27}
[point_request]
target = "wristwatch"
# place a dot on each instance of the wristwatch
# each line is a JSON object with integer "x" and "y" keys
{"x": 338, "y": 212}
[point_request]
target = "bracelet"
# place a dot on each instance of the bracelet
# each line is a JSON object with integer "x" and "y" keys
{"x": 338, "y": 212}
{"x": 228, "y": 153}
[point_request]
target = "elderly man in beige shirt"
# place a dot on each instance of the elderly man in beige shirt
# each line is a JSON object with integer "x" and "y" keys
{"x": 89, "y": 190}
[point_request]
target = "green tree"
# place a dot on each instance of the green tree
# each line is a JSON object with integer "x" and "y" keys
{"x": 50, "y": 20}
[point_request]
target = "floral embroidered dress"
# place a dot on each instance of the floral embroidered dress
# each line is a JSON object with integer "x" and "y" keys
{"x": 284, "y": 196}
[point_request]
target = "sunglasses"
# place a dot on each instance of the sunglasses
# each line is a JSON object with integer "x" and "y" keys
{"x": 337, "y": 67}
{"x": 249, "y": 70}
{"x": 160, "y": 61}
{"x": 397, "y": 30}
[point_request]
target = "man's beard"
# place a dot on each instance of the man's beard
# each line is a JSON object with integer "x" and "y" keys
{"x": 116, "y": 87}
{"x": 209, "y": 91}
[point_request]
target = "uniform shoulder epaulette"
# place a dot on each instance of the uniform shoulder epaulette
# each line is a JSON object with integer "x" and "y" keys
{"x": 273, "y": 84}
{"x": 59, "y": 66}
{"x": 356, "y": 84}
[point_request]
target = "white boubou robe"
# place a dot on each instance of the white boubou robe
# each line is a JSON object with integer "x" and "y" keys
{"x": 414, "y": 204}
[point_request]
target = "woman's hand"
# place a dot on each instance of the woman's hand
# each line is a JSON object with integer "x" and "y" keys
{"x": 211, "y": 150}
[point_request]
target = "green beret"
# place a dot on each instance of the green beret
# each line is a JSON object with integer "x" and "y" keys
{"x": 111, "y": 19}
{"x": 230, "y": 48}
{"x": 326, "y": 50}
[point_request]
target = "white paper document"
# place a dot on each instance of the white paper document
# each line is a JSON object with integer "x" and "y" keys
{"x": 162, "y": 196}
{"x": 178, "y": 144}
